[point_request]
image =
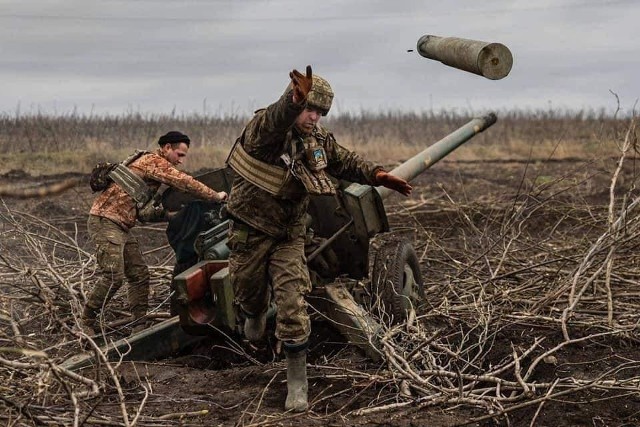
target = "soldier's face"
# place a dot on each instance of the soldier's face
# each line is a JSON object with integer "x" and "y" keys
{"x": 307, "y": 120}
{"x": 175, "y": 153}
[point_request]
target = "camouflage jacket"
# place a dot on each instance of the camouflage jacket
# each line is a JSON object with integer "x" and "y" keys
{"x": 114, "y": 203}
{"x": 267, "y": 136}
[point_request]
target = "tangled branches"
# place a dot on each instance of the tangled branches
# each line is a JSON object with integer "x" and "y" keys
{"x": 44, "y": 275}
{"x": 537, "y": 279}
{"x": 531, "y": 296}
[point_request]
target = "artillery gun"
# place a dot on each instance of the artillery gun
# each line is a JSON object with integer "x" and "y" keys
{"x": 343, "y": 228}
{"x": 346, "y": 290}
{"x": 337, "y": 250}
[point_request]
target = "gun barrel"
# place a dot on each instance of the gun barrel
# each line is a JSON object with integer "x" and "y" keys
{"x": 490, "y": 60}
{"x": 434, "y": 153}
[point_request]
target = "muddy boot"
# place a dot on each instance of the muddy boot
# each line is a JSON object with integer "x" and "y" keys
{"x": 297, "y": 385}
{"x": 254, "y": 327}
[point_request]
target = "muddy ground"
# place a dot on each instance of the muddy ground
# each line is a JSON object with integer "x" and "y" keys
{"x": 453, "y": 218}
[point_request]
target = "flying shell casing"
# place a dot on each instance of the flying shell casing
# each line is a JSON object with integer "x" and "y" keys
{"x": 490, "y": 60}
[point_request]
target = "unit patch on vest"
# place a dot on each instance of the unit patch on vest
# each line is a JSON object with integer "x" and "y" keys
{"x": 316, "y": 158}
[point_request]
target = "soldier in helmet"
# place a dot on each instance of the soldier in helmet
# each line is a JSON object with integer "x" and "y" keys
{"x": 282, "y": 157}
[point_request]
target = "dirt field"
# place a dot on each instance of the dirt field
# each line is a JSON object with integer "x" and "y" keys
{"x": 532, "y": 309}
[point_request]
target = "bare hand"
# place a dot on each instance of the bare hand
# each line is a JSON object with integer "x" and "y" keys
{"x": 222, "y": 196}
{"x": 301, "y": 84}
{"x": 393, "y": 182}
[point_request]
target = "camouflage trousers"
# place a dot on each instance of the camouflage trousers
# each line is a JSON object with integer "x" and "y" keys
{"x": 119, "y": 257}
{"x": 260, "y": 265}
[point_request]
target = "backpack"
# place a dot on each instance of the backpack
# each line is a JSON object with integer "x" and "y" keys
{"x": 100, "y": 177}
{"x": 148, "y": 203}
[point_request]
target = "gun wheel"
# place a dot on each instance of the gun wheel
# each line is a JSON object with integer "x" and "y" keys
{"x": 396, "y": 282}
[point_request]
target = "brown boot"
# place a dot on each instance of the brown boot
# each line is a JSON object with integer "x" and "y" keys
{"x": 297, "y": 385}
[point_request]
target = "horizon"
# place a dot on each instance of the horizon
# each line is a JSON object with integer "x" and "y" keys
{"x": 531, "y": 113}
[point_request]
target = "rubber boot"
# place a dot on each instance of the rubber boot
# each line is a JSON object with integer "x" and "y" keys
{"x": 254, "y": 327}
{"x": 297, "y": 385}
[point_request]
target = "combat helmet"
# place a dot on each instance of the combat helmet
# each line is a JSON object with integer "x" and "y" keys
{"x": 321, "y": 95}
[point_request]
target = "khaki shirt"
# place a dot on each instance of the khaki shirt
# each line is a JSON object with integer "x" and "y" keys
{"x": 267, "y": 136}
{"x": 114, "y": 203}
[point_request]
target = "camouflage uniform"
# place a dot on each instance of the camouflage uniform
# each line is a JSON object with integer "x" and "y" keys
{"x": 118, "y": 255}
{"x": 112, "y": 215}
{"x": 267, "y": 235}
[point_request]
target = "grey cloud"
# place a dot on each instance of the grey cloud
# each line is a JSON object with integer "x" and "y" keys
{"x": 160, "y": 54}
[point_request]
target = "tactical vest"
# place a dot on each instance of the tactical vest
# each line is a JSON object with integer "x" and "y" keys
{"x": 305, "y": 167}
{"x": 148, "y": 202}
{"x": 130, "y": 182}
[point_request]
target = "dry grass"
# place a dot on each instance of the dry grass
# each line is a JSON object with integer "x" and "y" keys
{"x": 520, "y": 286}
{"x": 515, "y": 308}
{"x": 43, "y": 145}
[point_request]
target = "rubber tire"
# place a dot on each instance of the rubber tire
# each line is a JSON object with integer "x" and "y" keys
{"x": 396, "y": 282}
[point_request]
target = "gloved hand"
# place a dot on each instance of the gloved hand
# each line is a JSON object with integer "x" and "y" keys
{"x": 301, "y": 84}
{"x": 393, "y": 182}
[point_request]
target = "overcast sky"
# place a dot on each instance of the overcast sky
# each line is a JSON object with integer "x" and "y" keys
{"x": 230, "y": 57}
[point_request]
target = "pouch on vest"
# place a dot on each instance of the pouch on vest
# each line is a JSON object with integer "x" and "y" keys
{"x": 316, "y": 183}
{"x": 132, "y": 184}
{"x": 153, "y": 211}
{"x": 238, "y": 235}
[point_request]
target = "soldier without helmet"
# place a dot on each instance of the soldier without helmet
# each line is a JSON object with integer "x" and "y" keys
{"x": 114, "y": 213}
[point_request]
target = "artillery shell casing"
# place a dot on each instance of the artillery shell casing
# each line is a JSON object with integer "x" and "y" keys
{"x": 490, "y": 60}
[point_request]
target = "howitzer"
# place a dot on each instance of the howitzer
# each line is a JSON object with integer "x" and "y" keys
{"x": 337, "y": 250}
{"x": 343, "y": 227}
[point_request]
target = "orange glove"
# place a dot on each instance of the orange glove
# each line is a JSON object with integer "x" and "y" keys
{"x": 301, "y": 84}
{"x": 393, "y": 182}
